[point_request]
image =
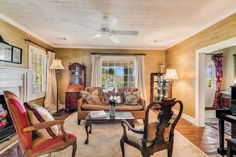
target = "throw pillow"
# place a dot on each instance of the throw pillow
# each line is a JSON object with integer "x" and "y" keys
{"x": 131, "y": 97}
{"x": 91, "y": 98}
{"x": 119, "y": 92}
{"x": 38, "y": 114}
{"x": 104, "y": 96}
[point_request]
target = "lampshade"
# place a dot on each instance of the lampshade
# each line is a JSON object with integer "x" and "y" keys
{"x": 56, "y": 64}
{"x": 171, "y": 74}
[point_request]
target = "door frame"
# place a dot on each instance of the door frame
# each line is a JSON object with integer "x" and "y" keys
{"x": 200, "y": 74}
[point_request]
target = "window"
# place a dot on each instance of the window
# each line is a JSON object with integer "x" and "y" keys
{"x": 211, "y": 75}
{"x": 118, "y": 71}
{"x": 38, "y": 65}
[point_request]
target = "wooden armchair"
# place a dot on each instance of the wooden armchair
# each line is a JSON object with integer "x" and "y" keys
{"x": 35, "y": 147}
{"x": 155, "y": 136}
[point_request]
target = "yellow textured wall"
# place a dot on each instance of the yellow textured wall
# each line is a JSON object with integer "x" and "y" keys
{"x": 153, "y": 59}
{"x": 182, "y": 58}
{"x": 16, "y": 37}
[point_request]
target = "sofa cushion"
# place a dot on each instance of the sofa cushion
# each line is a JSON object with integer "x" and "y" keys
{"x": 120, "y": 92}
{"x": 119, "y": 107}
{"x": 131, "y": 97}
{"x": 92, "y": 97}
{"x": 91, "y": 89}
{"x": 104, "y": 96}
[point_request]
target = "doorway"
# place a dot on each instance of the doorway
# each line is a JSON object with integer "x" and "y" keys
{"x": 201, "y": 80}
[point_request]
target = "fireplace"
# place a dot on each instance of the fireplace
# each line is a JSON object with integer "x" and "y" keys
{"x": 7, "y": 128}
{"x": 18, "y": 81}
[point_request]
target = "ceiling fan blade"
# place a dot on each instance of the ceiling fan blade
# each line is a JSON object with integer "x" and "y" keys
{"x": 111, "y": 21}
{"x": 125, "y": 32}
{"x": 114, "y": 39}
{"x": 96, "y": 36}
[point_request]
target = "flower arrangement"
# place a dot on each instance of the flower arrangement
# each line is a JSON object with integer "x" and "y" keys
{"x": 114, "y": 99}
{"x": 3, "y": 114}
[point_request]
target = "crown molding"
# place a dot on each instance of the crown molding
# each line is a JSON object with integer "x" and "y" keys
{"x": 109, "y": 47}
{"x": 19, "y": 26}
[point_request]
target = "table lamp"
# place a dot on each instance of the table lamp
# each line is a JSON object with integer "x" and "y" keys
{"x": 57, "y": 65}
{"x": 171, "y": 75}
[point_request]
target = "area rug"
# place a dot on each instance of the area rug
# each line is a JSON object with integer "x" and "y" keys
{"x": 104, "y": 142}
{"x": 214, "y": 122}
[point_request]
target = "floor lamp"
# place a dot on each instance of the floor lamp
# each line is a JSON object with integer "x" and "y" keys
{"x": 57, "y": 65}
{"x": 171, "y": 75}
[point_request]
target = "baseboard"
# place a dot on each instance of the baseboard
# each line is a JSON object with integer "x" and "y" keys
{"x": 187, "y": 117}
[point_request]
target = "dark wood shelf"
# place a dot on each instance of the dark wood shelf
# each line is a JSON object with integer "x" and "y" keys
{"x": 161, "y": 87}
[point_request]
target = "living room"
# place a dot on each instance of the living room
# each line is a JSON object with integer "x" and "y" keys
{"x": 54, "y": 53}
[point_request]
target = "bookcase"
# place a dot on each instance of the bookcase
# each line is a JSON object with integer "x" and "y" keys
{"x": 159, "y": 87}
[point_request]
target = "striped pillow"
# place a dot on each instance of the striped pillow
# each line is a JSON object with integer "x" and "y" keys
{"x": 38, "y": 114}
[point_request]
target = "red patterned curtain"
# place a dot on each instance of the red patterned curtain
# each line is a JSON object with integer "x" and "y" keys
{"x": 217, "y": 59}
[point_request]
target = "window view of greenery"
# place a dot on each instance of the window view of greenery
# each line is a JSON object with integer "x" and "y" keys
{"x": 38, "y": 63}
{"x": 118, "y": 73}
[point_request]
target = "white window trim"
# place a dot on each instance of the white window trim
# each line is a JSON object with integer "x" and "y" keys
{"x": 41, "y": 94}
{"x": 118, "y": 58}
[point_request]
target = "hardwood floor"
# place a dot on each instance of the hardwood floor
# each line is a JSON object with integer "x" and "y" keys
{"x": 204, "y": 138}
{"x": 207, "y": 139}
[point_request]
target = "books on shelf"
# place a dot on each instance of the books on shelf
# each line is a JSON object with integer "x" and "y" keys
{"x": 98, "y": 114}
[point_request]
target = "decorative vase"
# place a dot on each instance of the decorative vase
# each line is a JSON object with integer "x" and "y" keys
{"x": 112, "y": 111}
{"x": 112, "y": 108}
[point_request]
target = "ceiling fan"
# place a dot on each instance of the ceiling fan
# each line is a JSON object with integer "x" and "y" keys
{"x": 106, "y": 30}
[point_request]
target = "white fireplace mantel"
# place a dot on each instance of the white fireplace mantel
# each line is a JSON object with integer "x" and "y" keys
{"x": 16, "y": 80}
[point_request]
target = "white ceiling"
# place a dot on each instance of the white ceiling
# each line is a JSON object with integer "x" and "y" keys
{"x": 166, "y": 21}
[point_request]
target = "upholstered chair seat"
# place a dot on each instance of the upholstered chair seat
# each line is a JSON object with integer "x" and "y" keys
{"x": 152, "y": 128}
{"x": 40, "y": 144}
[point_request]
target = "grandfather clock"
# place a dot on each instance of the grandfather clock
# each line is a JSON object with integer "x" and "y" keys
{"x": 77, "y": 82}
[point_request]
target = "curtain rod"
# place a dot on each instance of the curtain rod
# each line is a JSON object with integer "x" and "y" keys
{"x": 28, "y": 40}
{"x": 120, "y": 54}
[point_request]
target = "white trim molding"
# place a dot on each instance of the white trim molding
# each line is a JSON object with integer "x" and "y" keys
{"x": 187, "y": 117}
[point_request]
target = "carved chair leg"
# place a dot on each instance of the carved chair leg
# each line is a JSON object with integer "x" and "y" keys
{"x": 122, "y": 146}
{"x": 19, "y": 152}
{"x": 170, "y": 151}
{"x": 74, "y": 149}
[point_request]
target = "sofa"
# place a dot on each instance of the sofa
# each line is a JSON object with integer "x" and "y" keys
{"x": 138, "y": 110}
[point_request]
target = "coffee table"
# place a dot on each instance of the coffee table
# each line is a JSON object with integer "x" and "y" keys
{"x": 119, "y": 116}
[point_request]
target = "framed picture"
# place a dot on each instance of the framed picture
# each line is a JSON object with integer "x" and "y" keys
{"x": 16, "y": 55}
{"x": 5, "y": 52}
